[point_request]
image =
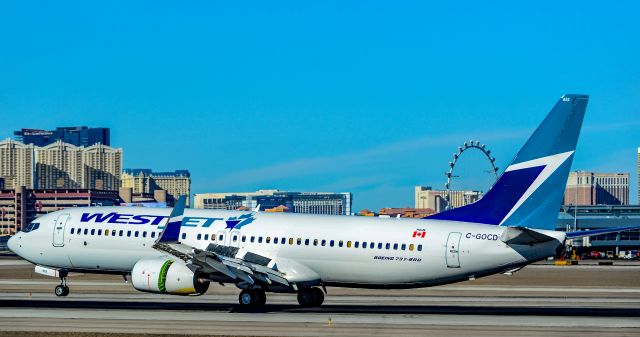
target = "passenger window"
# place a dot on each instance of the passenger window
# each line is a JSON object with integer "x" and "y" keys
{"x": 268, "y": 239}
{"x": 275, "y": 241}
{"x": 221, "y": 237}
{"x": 291, "y": 241}
{"x": 315, "y": 242}
{"x": 388, "y": 246}
{"x": 323, "y": 243}
{"x": 253, "y": 239}
{"x": 260, "y": 239}
{"x": 213, "y": 237}
{"x": 306, "y": 242}
{"x": 184, "y": 236}
{"x": 299, "y": 241}
{"x": 235, "y": 238}
{"x": 355, "y": 244}
{"x": 283, "y": 241}
{"x": 121, "y": 233}
{"x": 379, "y": 245}
{"x": 72, "y": 230}
{"x": 144, "y": 234}
{"x": 395, "y": 246}
{"x": 244, "y": 238}
{"x": 364, "y": 245}
{"x": 106, "y": 232}
{"x": 136, "y": 234}
{"x": 113, "y": 232}
{"x": 199, "y": 236}
{"x": 419, "y": 248}
{"x": 403, "y": 247}
{"x": 340, "y": 243}
{"x": 331, "y": 243}
{"x": 153, "y": 234}
{"x": 411, "y": 247}
{"x": 206, "y": 237}
{"x": 86, "y": 231}
{"x": 93, "y": 231}
{"x": 372, "y": 245}
{"x": 348, "y": 244}
{"x": 129, "y": 234}
{"x": 99, "y": 231}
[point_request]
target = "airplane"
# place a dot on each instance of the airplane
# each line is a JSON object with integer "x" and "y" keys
{"x": 181, "y": 251}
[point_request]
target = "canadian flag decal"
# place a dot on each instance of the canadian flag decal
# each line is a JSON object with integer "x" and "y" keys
{"x": 419, "y": 233}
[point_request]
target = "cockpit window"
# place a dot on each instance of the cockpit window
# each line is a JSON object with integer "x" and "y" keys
{"x": 31, "y": 227}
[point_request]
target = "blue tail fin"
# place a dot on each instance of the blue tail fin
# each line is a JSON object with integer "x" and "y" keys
{"x": 530, "y": 191}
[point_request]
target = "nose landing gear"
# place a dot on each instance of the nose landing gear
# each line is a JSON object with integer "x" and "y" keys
{"x": 62, "y": 289}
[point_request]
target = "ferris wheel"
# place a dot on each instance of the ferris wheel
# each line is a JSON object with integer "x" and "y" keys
{"x": 475, "y": 145}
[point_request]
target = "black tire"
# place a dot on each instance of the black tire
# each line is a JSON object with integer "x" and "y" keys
{"x": 60, "y": 291}
{"x": 247, "y": 298}
{"x": 306, "y": 297}
{"x": 66, "y": 291}
{"x": 261, "y": 297}
{"x": 318, "y": 295}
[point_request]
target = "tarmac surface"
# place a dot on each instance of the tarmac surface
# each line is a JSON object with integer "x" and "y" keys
{"x": 584, "y": 300}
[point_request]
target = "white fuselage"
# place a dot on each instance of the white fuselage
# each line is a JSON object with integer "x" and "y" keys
{"x": 338, "y": 250}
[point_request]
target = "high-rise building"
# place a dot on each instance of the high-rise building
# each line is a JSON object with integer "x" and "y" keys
{"x": 16, "y": 164}
{"x": 21, "y": 205}
{"x": 63, "y": 165}
{"x": 426, "y": 197}
{"x": 592, "y": 188}
{"x": 76, "y": 135}
{"x": 102, "y": 167}
{"x": 297, "y": 202}
{"x": 145, "y": 181}
{"x": 59, "y": 165}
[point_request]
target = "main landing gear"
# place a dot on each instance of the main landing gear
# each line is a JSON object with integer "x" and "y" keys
{"x": 62, "y": 289}
{"x": 310, "y": 297}
{"x": 256, "y": 298}
{"x": 252, "y": 298}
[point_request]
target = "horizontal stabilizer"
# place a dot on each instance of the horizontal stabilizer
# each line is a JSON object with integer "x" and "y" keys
{"x": 580, "y": 234}
{"x": 524, "y": 236}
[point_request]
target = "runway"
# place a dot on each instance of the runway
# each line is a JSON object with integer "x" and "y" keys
{"x": 539, "y": 300}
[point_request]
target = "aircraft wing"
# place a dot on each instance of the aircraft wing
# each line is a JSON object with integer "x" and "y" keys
{"x": 579, "y": 234}
{"x": 248, "y": 267}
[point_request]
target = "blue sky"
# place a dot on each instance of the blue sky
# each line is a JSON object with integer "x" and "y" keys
{"x": 368, "y": 97}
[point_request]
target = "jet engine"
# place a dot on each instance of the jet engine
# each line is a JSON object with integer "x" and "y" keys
{"x": 166, "y": 276}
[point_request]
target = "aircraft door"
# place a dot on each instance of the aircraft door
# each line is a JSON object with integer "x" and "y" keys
{"x": 58, "y": 230}
{"x": 453, "y": 250}
{"x": 234, "y": 238}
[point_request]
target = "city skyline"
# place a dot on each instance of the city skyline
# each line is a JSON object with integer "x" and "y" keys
{"x": 248, "y": 102}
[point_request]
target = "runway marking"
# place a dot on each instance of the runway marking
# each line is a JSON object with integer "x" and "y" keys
{"x": 337, "y": 318}
{"x": 438, "y": 288}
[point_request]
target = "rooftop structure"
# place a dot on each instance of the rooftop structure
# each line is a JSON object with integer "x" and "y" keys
{"x": 272, "y": 200}
{"x": 76, "y": 135}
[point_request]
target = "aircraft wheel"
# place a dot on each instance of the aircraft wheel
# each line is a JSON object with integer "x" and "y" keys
{"x": 252, "y": 298}
{"x": 261, "y": 297}
{"x": 61, "y": 290}
{"x": 310, "y": 297}
{"x": 319, "y": 296}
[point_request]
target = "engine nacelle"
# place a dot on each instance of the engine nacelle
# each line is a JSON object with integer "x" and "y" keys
{"x": 166, "y": 276}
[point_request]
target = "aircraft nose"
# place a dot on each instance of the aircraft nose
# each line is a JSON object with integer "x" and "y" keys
{"x": 12, "y": 244}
